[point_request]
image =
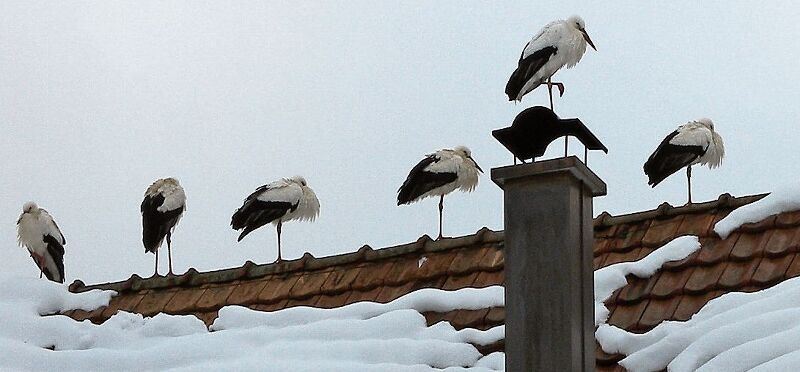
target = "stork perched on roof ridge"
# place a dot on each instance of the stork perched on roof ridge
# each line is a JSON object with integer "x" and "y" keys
{"x": 163, "y": 206}
{"x": 695, "y": 142}
{"x": 37, "y": 231}
{"x": 558, "y": 44}
{"x": 439, "y": 174}
{"x": 280, "y": 201}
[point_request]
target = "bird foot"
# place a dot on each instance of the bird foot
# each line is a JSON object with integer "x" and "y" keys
{"x": 440, "y": 237}
{"x": 560, "y": 87}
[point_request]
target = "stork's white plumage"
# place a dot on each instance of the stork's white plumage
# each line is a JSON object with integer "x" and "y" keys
{"x": 163, "y": 206}
{"x": 559, "y": 44}
{"x": 280, "y": 201}
{"x": 695, "y": 142}
{"x": 439, "y": 174}
{"x": 38, "y": 232}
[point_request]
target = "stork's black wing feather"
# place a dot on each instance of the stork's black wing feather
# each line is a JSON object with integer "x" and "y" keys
{"x": 526, "y": 69}
{"x": 256, "y": 213}
{"x": 63, "y": 239}
{"x": 56, "y": 252}
{"x": 155, "y": 224}
{"x": 420, "y": 181}
{"x": 669, "y": 158}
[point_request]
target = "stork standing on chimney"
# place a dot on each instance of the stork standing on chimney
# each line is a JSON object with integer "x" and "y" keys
{"x": 558, "y": 44}
{"x": 695, "y": 142}
{"x": 439, "y": 174}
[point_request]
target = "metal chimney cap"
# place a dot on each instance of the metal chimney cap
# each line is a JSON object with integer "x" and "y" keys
{"x": 535, "y": 128}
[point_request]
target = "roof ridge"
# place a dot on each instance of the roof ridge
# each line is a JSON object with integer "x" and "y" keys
{"x": 251, "y": 270}
{"x": 666, "y": 210}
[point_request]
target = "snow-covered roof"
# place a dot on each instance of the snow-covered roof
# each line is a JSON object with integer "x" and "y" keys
{"x": 753, "y": 257}
{"x": 749, "y": 276}
{"x": 357, "y": 337}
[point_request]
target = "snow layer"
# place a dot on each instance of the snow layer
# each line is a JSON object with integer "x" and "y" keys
{"x": 612, "y": 277}
{"x": 784, "y": 199}
{"x": 427, "y": 299}
{"x": 358, "y": 337}
{"x": 735, "y": 332}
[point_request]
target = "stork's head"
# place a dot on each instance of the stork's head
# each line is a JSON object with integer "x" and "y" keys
{"x": 299, "y": 180}
{"x": 466, "y": 153}
{"x": 29, "y": 207}
{"x": 706, "y": 122}
{"x": 577, "y": 23}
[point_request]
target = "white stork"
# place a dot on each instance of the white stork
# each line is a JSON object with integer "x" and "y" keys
{"x": 38, "y": 232}
{"x": 558, "y": 44}
{"x": 162, "y": 208}
{"x": 695, "y": 142}
{"x": 280, "y": 201}
{"x": 439, "y": 174}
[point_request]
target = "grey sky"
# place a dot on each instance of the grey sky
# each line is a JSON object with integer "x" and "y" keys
{"x": 98, "y": 99}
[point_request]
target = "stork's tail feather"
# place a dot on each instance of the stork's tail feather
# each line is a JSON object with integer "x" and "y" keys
{"x": 403, "y": 198}
{"x": 514, "y": 85}
{"x": 239, "y": 218}
{"x": 654, "y": 174}
{"x": 244, "y": 233}
{"x": 55, "y": 253}
{"x": 152, "y": 237}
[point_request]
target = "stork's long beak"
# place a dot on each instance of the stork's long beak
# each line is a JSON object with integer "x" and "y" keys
{"x": 588, "y": 39}
{"x": 476, "y": 164}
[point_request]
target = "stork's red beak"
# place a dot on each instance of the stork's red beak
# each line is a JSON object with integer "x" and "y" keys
{"x": 588, "y": 39}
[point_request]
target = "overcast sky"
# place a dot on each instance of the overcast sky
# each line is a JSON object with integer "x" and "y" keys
{"x": 98, "y": 99}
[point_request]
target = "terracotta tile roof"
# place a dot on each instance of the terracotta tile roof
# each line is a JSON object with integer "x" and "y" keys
{"x": 366, "y": 275}
{"x": 754, "y": 257}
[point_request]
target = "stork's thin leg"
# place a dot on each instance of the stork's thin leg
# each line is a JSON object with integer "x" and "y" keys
{"x": 689, "y": 181}
{"x": 441, "y": 206}
{"x": 279, "y": 242}
{"x": 560, "y": 86}
{"x": 155, "y": 271}
{"x": 169, "y": 251}
{"x": 40, "y": 261}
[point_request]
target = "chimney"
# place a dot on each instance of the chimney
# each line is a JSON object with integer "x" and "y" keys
{"x": 548, "y": 264}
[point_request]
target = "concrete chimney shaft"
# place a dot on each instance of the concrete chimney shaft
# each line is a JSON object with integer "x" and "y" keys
{"x": 549, "y": 285}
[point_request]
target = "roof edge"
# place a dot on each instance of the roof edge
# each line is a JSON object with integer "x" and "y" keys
{"x": 666, "y": 210}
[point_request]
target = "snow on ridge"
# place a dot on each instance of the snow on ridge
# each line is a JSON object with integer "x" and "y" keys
{"x": 610, "y": 278}
{"x": 784, "y": 199}
{"x": 735, "y": 332}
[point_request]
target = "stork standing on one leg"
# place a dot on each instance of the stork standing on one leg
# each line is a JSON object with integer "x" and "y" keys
{"x": 284, "y": 200}
{"x": 439, "y": 174}
{"x": 38, "y": 232}
{"x": 693, "y": 143}
{"x": 163, "y": 205}
{"x": 558, "y": 44}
